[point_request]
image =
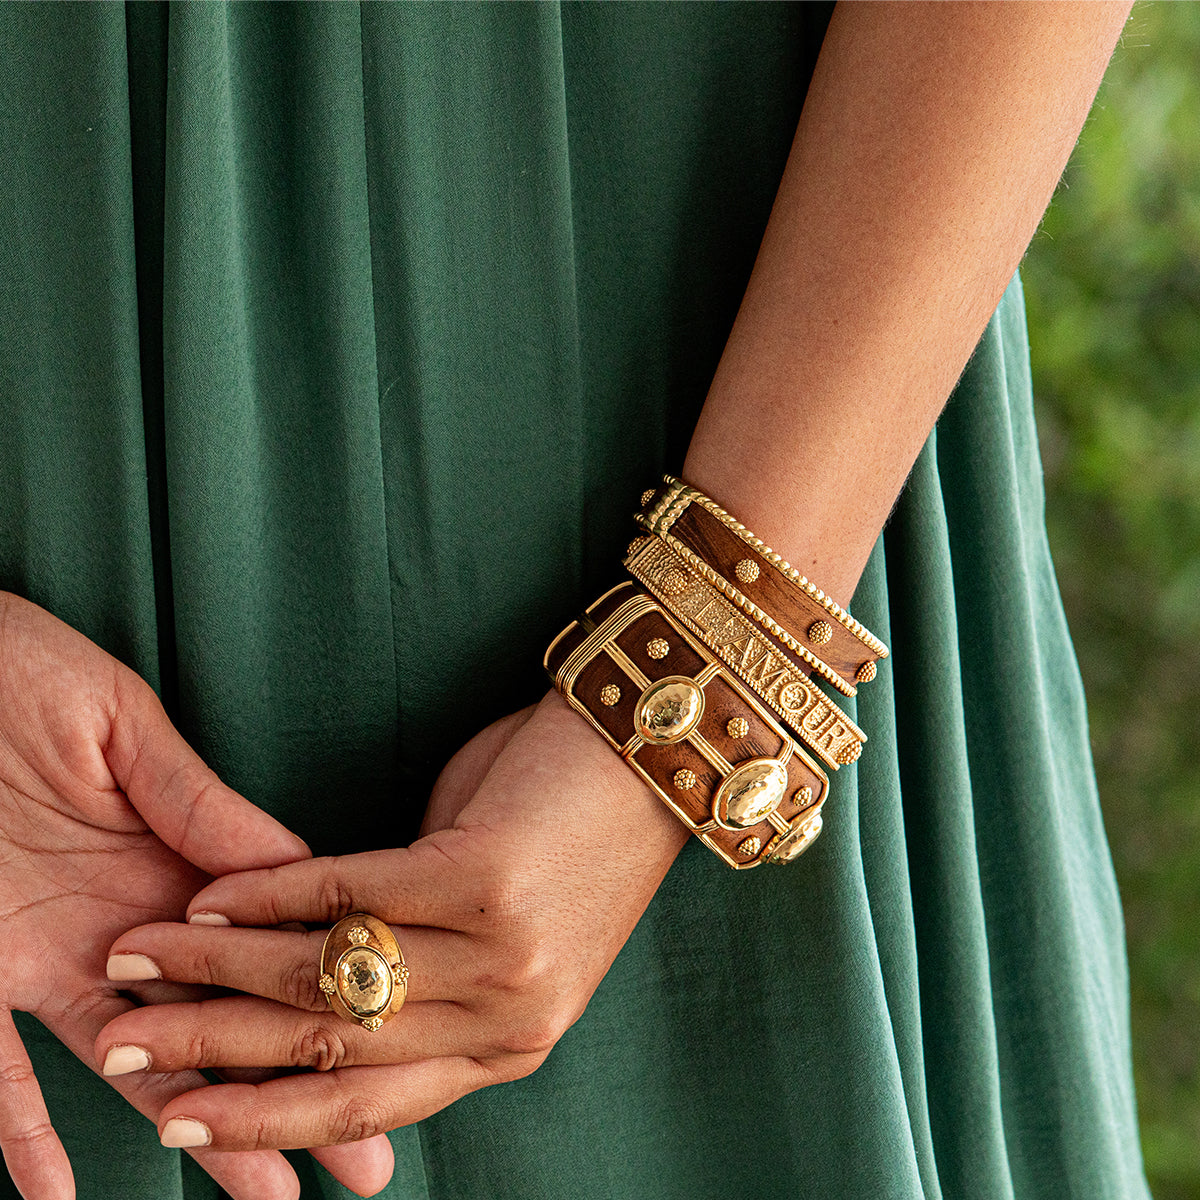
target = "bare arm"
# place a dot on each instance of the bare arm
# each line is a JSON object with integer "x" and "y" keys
{"x": 930, "y": 144}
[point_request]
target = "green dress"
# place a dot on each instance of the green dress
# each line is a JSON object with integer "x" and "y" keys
{"x": 337, "y": 344}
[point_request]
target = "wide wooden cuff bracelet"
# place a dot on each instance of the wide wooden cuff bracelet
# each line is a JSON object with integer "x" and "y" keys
{"x": 810, "y": 627}
{"x": 690, "y": 728}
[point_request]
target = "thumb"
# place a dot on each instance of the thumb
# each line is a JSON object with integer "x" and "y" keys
{"x": 181, "y": 798}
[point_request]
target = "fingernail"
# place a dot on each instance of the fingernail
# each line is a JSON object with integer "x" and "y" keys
{"x": 121, "y": 1060}
{"x": 208, "y": 918}
{"x": 123, "y": 967}
{"x": 182, "y": 1133}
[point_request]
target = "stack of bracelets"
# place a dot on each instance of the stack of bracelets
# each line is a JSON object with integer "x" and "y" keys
{"x": 701, "y": 676}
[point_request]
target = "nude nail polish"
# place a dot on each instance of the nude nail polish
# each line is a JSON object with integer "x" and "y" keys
{"x": 208, "y": 918}
{"x": 183, "y": 1133}
{"x": 122, "y": 1060}
{"x": 128, "y": 967}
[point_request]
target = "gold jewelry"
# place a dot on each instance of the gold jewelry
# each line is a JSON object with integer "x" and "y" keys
{"x": 744, "y": 647}
{"x": 674, "y": 584}
{"x": 363, "y": 974}
{"x": 745, "y": 794}
{"x": 796, "y": 612}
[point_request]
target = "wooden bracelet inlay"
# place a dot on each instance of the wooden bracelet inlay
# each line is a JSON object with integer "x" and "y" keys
{"x": 770, "y": 584}
{"x": 714, "y": 773}
{"x": 744, "y": 646}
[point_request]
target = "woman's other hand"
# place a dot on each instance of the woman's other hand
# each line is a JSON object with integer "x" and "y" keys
{"x": 542, "y": 851}
{"x": 107, "y": 819}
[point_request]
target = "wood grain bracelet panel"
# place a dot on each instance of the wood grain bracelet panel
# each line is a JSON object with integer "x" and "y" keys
{"x": 750, "y": 568}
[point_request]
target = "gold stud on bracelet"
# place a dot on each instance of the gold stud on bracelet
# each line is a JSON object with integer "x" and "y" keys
{"x": 738, "y": 727}
{"x": 819, "y": 632}
{"x": 803, "y": 797}
{"x": 610, "y": 695}
{"x": 746, "y": 570}
{"x": 849, "y": 753}
{"x": 750, "y": 847}
{"x": 658, "y": 647}
{"x": 647, "y": 496}
{"x": 866, "y": 672}
{"x": 798, "y": 839}
{"x": 685, "y": 780}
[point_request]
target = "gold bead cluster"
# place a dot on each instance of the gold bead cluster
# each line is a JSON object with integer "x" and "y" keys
{"x": 820, "y": 633}
{"x": 746, "y": 570}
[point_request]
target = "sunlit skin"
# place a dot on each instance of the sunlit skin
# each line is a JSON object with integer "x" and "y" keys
{"x": 930, "y": 144}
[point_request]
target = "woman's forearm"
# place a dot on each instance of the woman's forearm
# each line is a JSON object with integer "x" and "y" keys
{"x": 931, "y": 141}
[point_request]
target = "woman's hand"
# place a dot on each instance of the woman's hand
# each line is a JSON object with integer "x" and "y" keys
{"x": 107, "y": 819}
{"x": 543, "y": 851}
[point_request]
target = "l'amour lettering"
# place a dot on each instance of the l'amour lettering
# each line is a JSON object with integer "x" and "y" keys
{"x": 743, "y": 647}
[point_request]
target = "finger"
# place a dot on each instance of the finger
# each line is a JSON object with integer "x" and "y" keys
{"x": 281, "y": 966}
{"x": 364, "y": 1167}
{"x": 315, "y": 1110}
{"x": 240, "y": 1031}
{"x": 181, "y": 798}
{"x": 32, "y": 1151}
{"x": 261, "y": 1176}
{"x": 462, "y": 775}
{"x": 424, "y": 884}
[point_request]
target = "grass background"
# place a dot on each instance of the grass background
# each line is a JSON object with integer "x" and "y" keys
{"x": 1113, "y": 287}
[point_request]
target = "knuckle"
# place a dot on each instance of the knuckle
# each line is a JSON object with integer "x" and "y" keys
{"x": 259, "y": 1130}
{"x": 521, "y": 962}
{"x": 299, "y": 987}
{"x": 520, "y": 1066}
{"x": 334, "y": 897}
{"x": 356, "y": 1120}
{"x": 39, "y": 1133}
{"x": 537, "y": 1034}
{"x": 205, "y": 967}
{"x": 530, "y": 969}
{"x": 16, "y": 1074}
{"x": 321, "y": 1048}
{"x": 197, "y": 1050}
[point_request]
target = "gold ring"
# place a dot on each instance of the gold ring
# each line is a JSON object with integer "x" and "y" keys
{"x": 363, "y": 974}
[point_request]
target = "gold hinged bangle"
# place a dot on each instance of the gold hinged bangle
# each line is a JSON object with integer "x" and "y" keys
{"x": 693, "y": 731}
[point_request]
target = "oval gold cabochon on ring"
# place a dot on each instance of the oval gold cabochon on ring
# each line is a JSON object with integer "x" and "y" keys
{"x": 364, "y": 981}
{"x": 670, "y": 709}
{"x": 750, "y": 794}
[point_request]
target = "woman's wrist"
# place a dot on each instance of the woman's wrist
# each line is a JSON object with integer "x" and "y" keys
{"x": 629, "y": 801}
{"x": 931, "y": 140}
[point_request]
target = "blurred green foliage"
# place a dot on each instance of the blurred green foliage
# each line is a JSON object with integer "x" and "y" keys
{"x": 1113, "y": 287}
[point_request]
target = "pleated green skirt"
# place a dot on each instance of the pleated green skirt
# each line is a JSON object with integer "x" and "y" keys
{"x": 336, "y": 345}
